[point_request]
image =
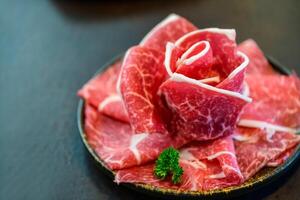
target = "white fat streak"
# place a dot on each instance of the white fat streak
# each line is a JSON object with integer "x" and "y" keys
{"x": 170, "y": 18}
{"x": 264, "y": 125}
{"x": 242, "y": 66}
{"x": 197, "y": 56}
{"x": 246, "y": 89}
{"x": 270, "y": 132}
{"x": 245, "y": 138}
{"x": 217, "y": 176}
{"x": 215, "y": 79}
{"x": 167, "y": 62}
{"x": 230, "y": 33}
{"x": 108, "y": 100}
{"x": 181, "y": 78}
{"x": 213, "y": 156}
{"x": 232, "y": 169}
{"x": 185, "y": 155}
{"x": 134, "y": 141}
{"x": 272, "y": 163}
{"x": 240, "y": 137}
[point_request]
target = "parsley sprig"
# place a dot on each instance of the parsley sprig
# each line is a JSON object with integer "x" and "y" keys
{"x": 168, "y": 163}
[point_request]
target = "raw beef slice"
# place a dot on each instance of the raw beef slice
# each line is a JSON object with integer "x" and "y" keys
{"x": 195, "y": 62}
{"x": 169, "y": 30}
{"x": 207, "y": 166}
{"x": 118, "y": 146}
{"x": 203, "y": 111}
{"x": 267, "y": 126}
{"x": 141, "y": 75}
{"x": 257, "y": 151}
{"x": 101, "y": 93}
{"x": 276, "y": 100}
{"x": 258, "y": 63}
{"x": 282, "y": 157}
{"x": 222, "y": 42}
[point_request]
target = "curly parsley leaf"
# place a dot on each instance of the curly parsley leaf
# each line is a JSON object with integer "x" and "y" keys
{"x": 168, "y": 163}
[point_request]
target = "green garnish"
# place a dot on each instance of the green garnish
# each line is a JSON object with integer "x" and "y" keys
{"x": 167, "y": 163}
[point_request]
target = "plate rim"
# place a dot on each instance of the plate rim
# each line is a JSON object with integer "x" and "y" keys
{"x": 213, "y": 194}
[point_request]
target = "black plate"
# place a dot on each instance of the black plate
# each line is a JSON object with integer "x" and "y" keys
{"x": 263, "y": 178}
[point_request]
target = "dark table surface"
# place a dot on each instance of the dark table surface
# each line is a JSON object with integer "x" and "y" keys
{"x": 48, "y": 49}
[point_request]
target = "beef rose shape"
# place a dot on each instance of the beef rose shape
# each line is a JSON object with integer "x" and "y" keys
{"x": 193, "y": 86}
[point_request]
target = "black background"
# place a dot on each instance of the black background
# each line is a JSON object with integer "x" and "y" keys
{"x": 49, "y": 49}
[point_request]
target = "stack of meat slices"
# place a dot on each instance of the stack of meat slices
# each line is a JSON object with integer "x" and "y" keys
{"x": 220, "y": 104}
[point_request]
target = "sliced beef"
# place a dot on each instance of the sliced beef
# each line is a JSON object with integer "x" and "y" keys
{"x": 276, "y": 100}
{"x": 256, "y": 151}
{"x": 101, "y": 93}
{"x": 203, "y": 112}
{"x": 258, "y": 62}
{"x": 189, "y": 89}
{"x": 169, "y": 30}
{"x": 282, "y": 157}
{"x": 142, "y": 74}
{"x": 118, "y": 146}
{"x": 206, "y": 166}
{"x": 194, "y": 62}
{"x": 267, "y": 126}
{"x": 222, "y": 42}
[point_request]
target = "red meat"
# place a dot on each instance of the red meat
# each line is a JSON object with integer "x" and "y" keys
{"x": 272, "y": 120}
{"x": 222, "y": 42}
{"x": 282, "y": 157}
{"x": 101, "y": 93}
{"x": 258, "y": 63}
{"x": 118, "y": 146}
{"x": 195, "y": 62}
{"x": 203, "y": 112}
{"x": 206, "y": 166}
{"x": 169, "y": 30}
{"x": 256, "y": 151}
{"x": 187, "y": 88}
{"x": 276, "y": 100}
{"x": 142, "y": 74}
